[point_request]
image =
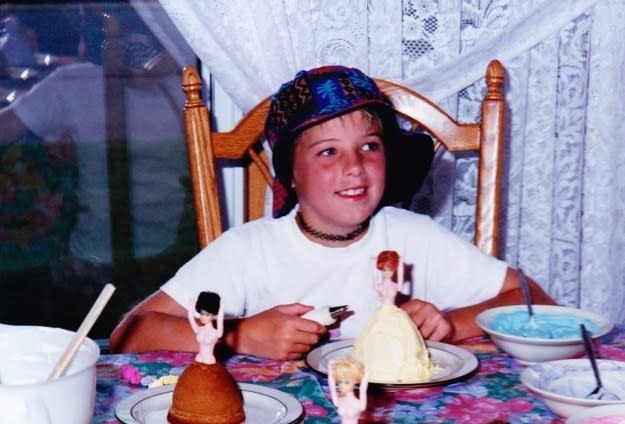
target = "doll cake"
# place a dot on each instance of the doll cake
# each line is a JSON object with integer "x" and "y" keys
{"x": 206, "y": 393}
{"x": 390, "y": 344}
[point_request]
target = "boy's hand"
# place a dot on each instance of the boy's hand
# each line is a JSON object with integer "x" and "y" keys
{"x": 432, "y": 323}
{"x": 277, "y": 333}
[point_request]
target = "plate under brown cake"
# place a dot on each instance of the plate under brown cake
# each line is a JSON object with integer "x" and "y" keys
{"x": 206, "y": 394}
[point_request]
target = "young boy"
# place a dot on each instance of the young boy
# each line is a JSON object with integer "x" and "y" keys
{"x": 338, "y": 155}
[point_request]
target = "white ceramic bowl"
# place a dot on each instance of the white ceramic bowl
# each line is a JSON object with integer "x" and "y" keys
{"x": 539, "y": 349}
{"x": 564, "y": 384}
{"x": 28, "y": 354}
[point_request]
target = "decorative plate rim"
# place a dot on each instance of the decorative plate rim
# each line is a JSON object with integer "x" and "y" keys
{"x": 470, "y": 363}
{"x": 294, "y": 408}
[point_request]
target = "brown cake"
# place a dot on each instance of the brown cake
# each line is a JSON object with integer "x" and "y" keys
{"x": 206, "y": 394}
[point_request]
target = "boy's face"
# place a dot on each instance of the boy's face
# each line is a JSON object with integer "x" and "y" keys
{"x": 339, "y": 172}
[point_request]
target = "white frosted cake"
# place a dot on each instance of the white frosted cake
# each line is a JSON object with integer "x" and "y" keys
{"x": 392, "y": 348}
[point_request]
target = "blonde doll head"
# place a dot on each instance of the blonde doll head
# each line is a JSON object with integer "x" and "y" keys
{"x": 347, "y": 372}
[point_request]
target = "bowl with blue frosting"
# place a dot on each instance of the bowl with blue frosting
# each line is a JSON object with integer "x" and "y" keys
{"x": 551, "y": 333}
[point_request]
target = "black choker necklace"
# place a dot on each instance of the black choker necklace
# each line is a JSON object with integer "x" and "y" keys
{"x": 331, "y": 237}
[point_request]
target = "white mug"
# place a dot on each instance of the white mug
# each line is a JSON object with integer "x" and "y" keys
{"x": 27, "y": 356}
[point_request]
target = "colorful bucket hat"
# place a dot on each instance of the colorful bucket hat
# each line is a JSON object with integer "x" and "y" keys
{"x": 320, "y": 94}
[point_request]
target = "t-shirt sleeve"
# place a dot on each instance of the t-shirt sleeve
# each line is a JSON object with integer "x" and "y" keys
{"x": 41, "y": 109}
{"x": 216, "y": 268}
{"x": 447, "y": 270}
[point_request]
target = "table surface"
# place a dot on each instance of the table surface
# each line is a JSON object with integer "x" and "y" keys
{"x": 494, "y": 394}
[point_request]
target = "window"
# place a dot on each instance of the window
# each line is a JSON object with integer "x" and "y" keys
{"x": 94, "y": 184}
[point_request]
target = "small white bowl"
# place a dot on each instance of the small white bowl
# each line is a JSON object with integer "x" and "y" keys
{"x": 540, "y": 349}
{"x": 563, "y": 384}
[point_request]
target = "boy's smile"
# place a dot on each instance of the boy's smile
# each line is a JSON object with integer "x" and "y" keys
{"x": 339, "y": 172}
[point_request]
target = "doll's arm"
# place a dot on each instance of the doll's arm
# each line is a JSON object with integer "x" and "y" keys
{"x": 191, "y": 318}
{"x": 400, "y": 274}
{"x": 364, "y": 384}
{"x": 332, "y": 384}
{"x": 220, "y": 320}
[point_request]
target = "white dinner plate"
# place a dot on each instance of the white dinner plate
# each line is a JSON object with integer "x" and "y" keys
{"x": 262, "y": 405}
{"x": 453, "y": 363}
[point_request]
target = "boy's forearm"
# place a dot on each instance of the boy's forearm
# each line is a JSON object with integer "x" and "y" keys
{"x": 152, "y": 331}
{"x": 231, "y": 339}
{"x": 463, "y": 319}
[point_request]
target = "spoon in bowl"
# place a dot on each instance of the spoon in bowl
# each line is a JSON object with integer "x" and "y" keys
{"x": 598, "y": 392}
{"x": 527, "y": 296}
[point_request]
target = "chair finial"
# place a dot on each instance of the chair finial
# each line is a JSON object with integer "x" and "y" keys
{"x": 192, "y": 87}
{"x": 494, "y": 80}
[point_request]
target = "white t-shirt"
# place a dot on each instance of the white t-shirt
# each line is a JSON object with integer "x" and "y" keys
{"x": 71, "y": 100}
{"x": 269, "y": 262}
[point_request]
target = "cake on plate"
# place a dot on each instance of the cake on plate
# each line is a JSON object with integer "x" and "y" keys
{"x": 390, "y": 344}
{"x": 206, "y": 393}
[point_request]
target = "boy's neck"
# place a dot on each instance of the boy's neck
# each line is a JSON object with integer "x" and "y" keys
{"x": 331, "y": 239}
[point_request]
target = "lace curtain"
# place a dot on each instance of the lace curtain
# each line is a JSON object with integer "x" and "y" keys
{"x": 565, "y": 197}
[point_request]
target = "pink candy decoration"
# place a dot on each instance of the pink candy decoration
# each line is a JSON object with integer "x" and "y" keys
{"x": 130, "y": 374}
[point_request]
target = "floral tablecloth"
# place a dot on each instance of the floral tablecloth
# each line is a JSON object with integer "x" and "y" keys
{"x": 493, "y": 395}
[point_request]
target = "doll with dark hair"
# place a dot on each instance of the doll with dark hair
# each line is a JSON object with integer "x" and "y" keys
{"x": 208, "y": 306}
{"x": 206, "y": 392}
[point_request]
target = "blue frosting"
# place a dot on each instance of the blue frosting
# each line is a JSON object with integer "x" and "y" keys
{"x": 547, "y": 326}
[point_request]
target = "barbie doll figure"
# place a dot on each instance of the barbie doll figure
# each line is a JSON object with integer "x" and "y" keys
{"x": 390, "y": 345}
{"x": 344, "y": 373}
{"x": 208, "y": 305}
{"x": 206, "y": 392}
{"x": 388, "y": 263}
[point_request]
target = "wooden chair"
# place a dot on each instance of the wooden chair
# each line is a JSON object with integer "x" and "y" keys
{"x": 243, "y": 144}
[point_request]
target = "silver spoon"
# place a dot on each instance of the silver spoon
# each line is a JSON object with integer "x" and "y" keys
{"x": 598, "y": 392}
{"x": 527, "y": 296}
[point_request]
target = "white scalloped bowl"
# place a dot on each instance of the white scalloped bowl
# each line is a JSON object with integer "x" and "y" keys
{"x": 551, "y": 347}
{"x": 563, "y": 384}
